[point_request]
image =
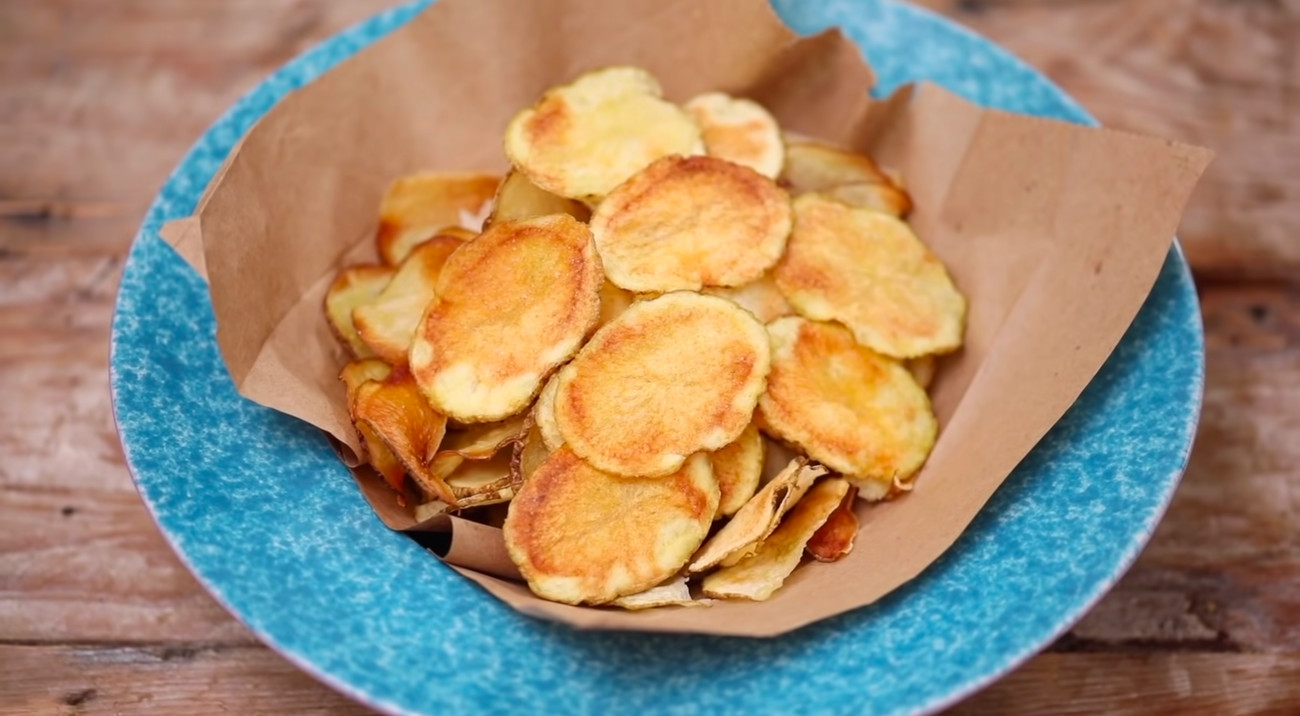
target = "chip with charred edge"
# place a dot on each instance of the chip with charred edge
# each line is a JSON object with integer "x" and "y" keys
{"x": 579, "y": 535}
{"x": 583, "y": 139}
{"x": 834, "y": 539}
{"x": 670, "y": 377}
{"x": 869, "y": 271}
{"x": 740, "y": 131}
{"x": 813, "y": 166}
{"x": 737, "y": 468}
{"x": 418, "y": 207}
{"x": 859, "y": 413}
{"x": 387, "y": 323}
{"x": 374, "y": 451}
{"x": 518, "y": 198}
{"x": 761, "y": 298}
{"x": 922, "y": 370}
{"x": 877, "y": 197}
{"x": 673, "y": 593}
{"x": 510, "y": 307}
{"x": 544, "y": 414}
{"x": 355, "y": 286}
{"x": 689, "y": 222}
{"x": 396, "y": 412}
{"x": 756, "y": 519}
{"x": 758, "y": 576}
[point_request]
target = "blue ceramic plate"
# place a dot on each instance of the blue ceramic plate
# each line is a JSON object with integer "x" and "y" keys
{"x": 260, "y": 510}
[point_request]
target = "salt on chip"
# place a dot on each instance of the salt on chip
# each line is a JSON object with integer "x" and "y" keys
{"x": 738, "y": 468}
{"x": 670, "y": 377}
{"x": 583, "y": 139}
{"x": 518, "y": 199}
{"x": 386, "y": 324}
{"x": 812, "y": 166}
{"x": 373, "y": 450}
{"x": 859, "y": 413}
{"x": 739, "y": 130}
{"x": 510, "y": 306}
{"x": 759, "y": 575}
{"x": 417, "y": 207}
{"x": 834, "y": 539}
{"x": 885, "y": 198}
{"x": 398, "y": 414}
{"x": 355, "y": 286}
{"x": 582, "y": 536}
{"x": 760, "y": 297}
{"x": 869, "y": 271}
{"x": 689, "y": 222}
{"x": 676, "y": 592}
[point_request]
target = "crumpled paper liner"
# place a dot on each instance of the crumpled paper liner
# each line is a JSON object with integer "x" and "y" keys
{"x": 1054, "y": 232}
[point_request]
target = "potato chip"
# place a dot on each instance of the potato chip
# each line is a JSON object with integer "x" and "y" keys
{"x": 529, "y": 454}
{"x": 877, "y": 197}
{"x": 387, "y": 323}
{"x": 740, "y": 131}
{"x": 418, "y": 207}
{"x": 834, "y": 539}
{"x": 480, "y": 482}
{"x": 758, "y": 576}
{"x": 544, "y": 414}
{"x": 579, "y": 535}
{"x": 812, "y": 166}
{"x": 922, "y": 369}
{"x": 511, "y": 306}
{"x": 355, "y": 286}
{"x": 373, "y": 450}
{"x": 477, "y": 442}
{"x": 670, "y": 377}
{"x": 518, "y": 199}
{"x": 613, "y": 301}
{"x": 688, "y": 222}
{"x": 583, "y": 139}
{"x": 737, "y": 468}
{"x": 870, "y": 272}
{"x": 761, "y": 298}
{"x": 397, "y": 413}
{"x": 758, "y": 517}
{"x": 673, "y": 593}
{"x": 848, "y": 407}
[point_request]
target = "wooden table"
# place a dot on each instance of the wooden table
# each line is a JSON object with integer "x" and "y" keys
{"x": 98, "y": 101}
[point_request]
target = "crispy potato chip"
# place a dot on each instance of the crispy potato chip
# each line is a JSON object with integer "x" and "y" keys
{"x": 737, "y": 468}
{"x": 433, "y": 508}
{"x": 758, "y": 517}
{"x": 761, "y": 298}
{"x": 870, "y": 272}
{"x": 740, "y": 131}
{"x": 529, "y": 454}
{"x": 373, "y": 450}
{"x": 397, "y": 413}
{"x": 518, "y": 199}
{"x": 583, "y": 139}
{"x": 510, "y": 307}
{"x": 834, "y": 539}
{"x": 848, "y": 407}
{"x": 355, "y": 286}
{"x": 673, "y": 593}
{"x": 544, "y": 414}
{"x": 476, "y": 442}
{"x": 758, "y": 576}
{"x": 579, "y": 535}
{"x": 386, "y": 324}
{"x": 688, "y": 222}
{"x": 613, "y": 301}
{"x": 418, "y": 207}
{"x": 670, "y": 377}
{"x": 357, "y": 372}
{"x": 478, "y": 482}
{"x": 813, "y": 166}
{"x": 922, "y": 370}
{"x": 877, "y": 197}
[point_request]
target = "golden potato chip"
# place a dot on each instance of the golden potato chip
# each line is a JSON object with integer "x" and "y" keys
{"x": 737, "y": 468}
{"x": 518, "y": 199}
{"x": 418, "y": 207}
{"x": 477, "y": 442}
{"x": 544, "y": 414}
{"x": 688, "y": 222}
{"x": 510, "y": 307}
{"x": 761, "y": 298}
{"x": 673, "y": 593}
{"x": 859, "y": 413}
{"x": 583, "y": 139}
{"x": 355, "y": 286}
{"x": 756, "y": 519}
{"x": 759, "y": 575}
{"x": 613, "y": 301}
{"x": 357, "y": 372}
{"x": 397, "y": 413}
{"x": 868, "y": 271}
{"x": 813, "y": 166}
{"x": 922, "y": 370}
{"x": 670, "y": 377}
{"x": 834, "y": 539}
{"x": 740, "y": 131}
{"x": 373, "y": 450}
{"x": 386, "y": 324}
{"x": 877, "y": 197}
{"x": 529, "y": 454}
{"x": 481, "y": 482}
{"x": 579, "y": 535}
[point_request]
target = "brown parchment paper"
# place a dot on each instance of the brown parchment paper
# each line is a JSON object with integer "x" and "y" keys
{"x": 1054, "y": 232}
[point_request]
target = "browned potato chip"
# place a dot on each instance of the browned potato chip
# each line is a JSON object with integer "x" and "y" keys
{"x": 738, "y": 468}
{"x": 544, "y": 414}
{"x": 740, "y": 131}
{"x": 518, "y": 199}
{"x": 848, "y": 407}
{"x": 870, "y": 272}
{"x": 688, "y": 222}
{"x": 673, "y": 593}
{"x": 834, "y": 539}
{"x": 761, "y": 298}
{"x": 670, "y": 377}
{"x": 510, "y": 307}
{"x": 355, "y": 286}
{"x": 579, "y": 535}
{"x": 373, "y": 450}
{"x": 386, "y": 324}
{"x": 396, "y": 412}
{"x": 758, "y": 576}
{"x": 922, "y": 370}
{"x": 813, "y": 166}
{"x": 419, "y": 206}
{"x": 877, "y": 197}
{"x": 585, "y": 138}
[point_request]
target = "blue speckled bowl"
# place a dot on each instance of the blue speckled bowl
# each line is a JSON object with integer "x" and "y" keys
{"x": 260, "y": 510}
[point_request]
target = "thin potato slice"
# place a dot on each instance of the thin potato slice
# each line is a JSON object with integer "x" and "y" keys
{"x": 544, "y": 414}
{"x": 689, "y": 222}
{"x": 670, "y": 377}
{"x": 758, "y": 517}
{"x": 396, "y": 412}
{"x": 529, "y": 454}
{"x": 848, "y": 407}
{"x": 478, "y": 482}
{"x": 582, "y": 536}
{"x": 355, "y": 286}
{"x": 476, "y": 442}
{"x": 758, "y": 576}
{"x": 386, "y": 324}
{"x": 583, "y": 139}
{"x": 374, "y": 450}
{"x": 761, "y": 298}
{"x": 877, "y": 197}
{"x": 740, "y": 131}
{"x": 813, "y": 166}
{"x": 738, "y": 468}
{"x": 834, "y": 539}
{"x": 870, "y": 272}
{"x": 673, "y": 593}
{"x": 510, "y": 307}
{"x": 613, "y": 301}
{"x": 519, "y": 199}
{"x": 922, "y": 370}
{"x": 418, "y": 207}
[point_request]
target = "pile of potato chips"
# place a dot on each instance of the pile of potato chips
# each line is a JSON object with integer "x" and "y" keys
{"x": 665, "y": 353}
